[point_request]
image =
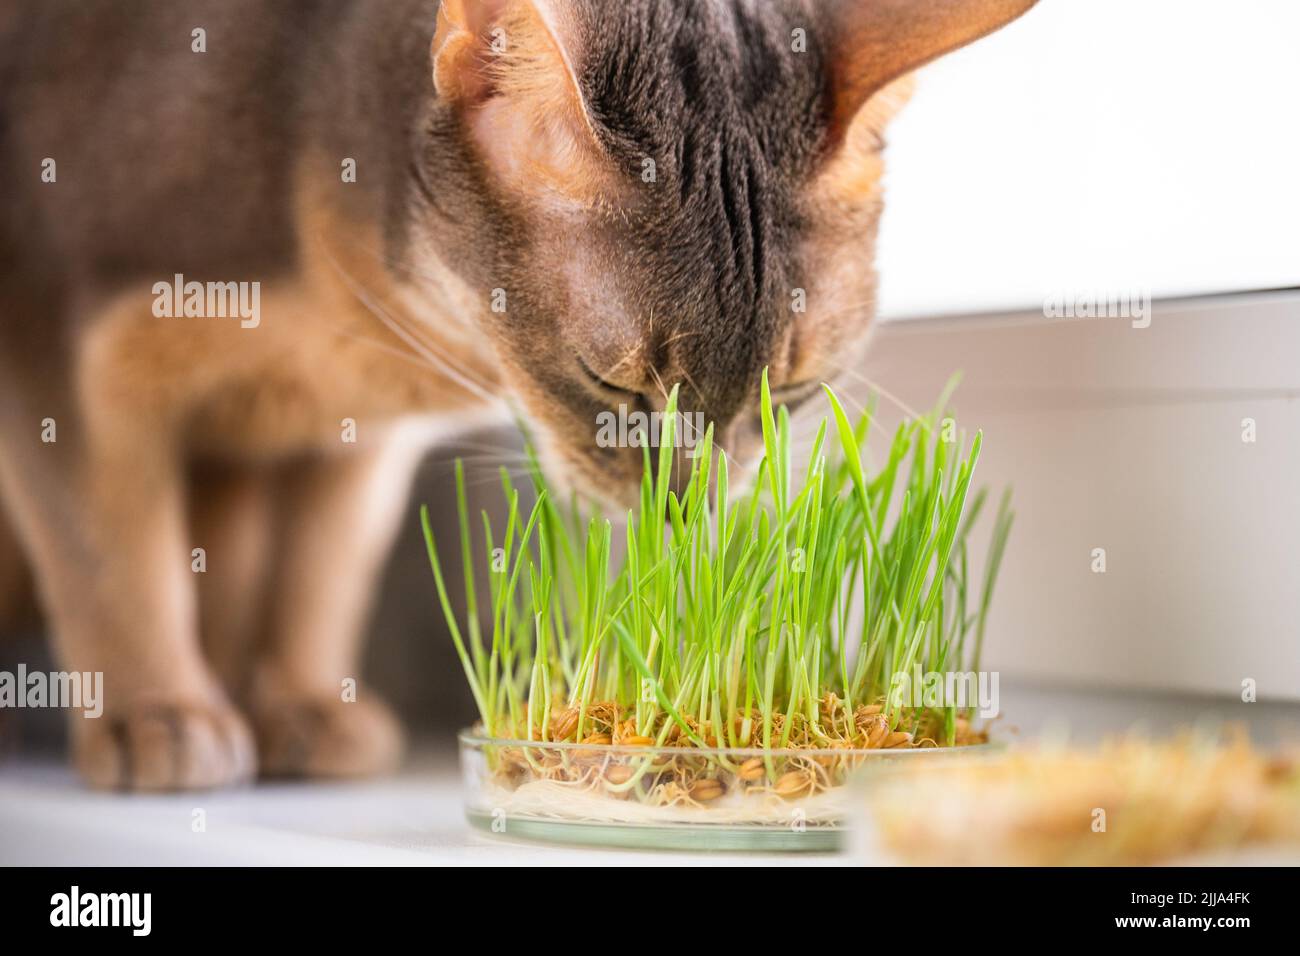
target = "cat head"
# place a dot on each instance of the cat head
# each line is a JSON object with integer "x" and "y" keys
{"x": 659, "y": 192}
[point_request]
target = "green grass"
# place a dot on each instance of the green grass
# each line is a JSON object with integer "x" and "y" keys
{"x": 773, "y": 616}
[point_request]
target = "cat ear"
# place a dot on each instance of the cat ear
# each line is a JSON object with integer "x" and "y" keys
{"x": 878, "y": 41}
{"x": 512, "y": 67}
{"x": 521, "y": 48}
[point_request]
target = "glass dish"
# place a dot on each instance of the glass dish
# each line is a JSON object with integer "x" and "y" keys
{"x": 667, "y": 798}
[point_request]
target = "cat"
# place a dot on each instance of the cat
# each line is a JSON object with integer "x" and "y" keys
{"x": 249, "y": 248}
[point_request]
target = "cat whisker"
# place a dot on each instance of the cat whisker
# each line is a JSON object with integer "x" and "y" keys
{"x": 501, "y": 453}
{"x": 684, "y": 334}
{"x": 409, "y": 357}
{"x": 663, "y": 391}
{"x": 659, "y": 383}
{"x": 691, "y": 425}
{"x": 488, "y": 446}
{"x": 484, "y": 461}
{"x": 695, "y": 388}
{"x": 413, "y": 341}
{"x": 519, "y": 478}
{"x": 491, "y": 470}
{"x": 698, "y": 435}
{"x": 492, "y": 466}
{"x": 414, "y": 271}
{"x": 918, "y": 417}
{"x": 441, "y": 294}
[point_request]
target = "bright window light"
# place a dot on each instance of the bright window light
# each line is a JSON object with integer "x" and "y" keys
{"x": 1107, "y": 145}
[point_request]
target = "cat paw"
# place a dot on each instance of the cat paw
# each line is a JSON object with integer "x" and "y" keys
{"x": 165, "y": 745}
{"x": 325, "y": 736}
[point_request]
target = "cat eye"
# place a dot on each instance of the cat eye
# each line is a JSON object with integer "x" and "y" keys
{"x": 795, "y": 393}
{"x": 601, "y": 383}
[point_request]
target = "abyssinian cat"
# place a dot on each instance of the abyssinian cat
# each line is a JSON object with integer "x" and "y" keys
{"x": 238, "y": 234}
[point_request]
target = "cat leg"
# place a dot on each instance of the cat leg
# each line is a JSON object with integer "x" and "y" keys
{"x": 104, "y": 525}
{"x": 17, "y": 610}
{"x": 341, "y": 514}
{"x": 233, "y": 519}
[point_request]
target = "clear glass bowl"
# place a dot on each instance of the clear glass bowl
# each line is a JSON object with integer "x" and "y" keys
{"x": 1127, "y": 802}
{"x": 666, "y": 798}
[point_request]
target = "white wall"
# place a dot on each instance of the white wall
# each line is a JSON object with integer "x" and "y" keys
{"x": 1130, "y": 440}
{"x": 1108, "y": 144}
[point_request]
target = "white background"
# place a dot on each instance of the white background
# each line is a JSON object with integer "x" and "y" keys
{"x": 1100, "y": 145}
